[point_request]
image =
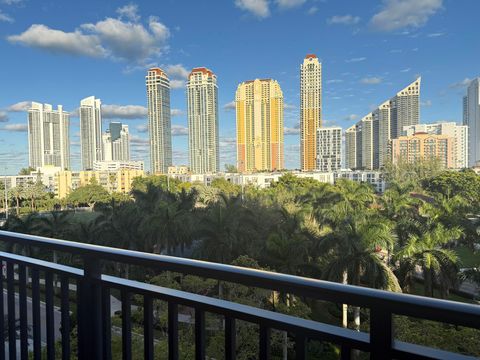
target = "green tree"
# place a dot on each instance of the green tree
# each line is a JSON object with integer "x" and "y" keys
{"x": 89, "y": 195}
{"x": 428, "y": 252}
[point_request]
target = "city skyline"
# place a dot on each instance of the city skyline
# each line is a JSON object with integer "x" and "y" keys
{"x": 353, "y": 79}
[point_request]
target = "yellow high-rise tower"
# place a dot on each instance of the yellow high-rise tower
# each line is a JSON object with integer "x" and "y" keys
{"x": 310, "y": 110}
{"x": 259, "y": 105}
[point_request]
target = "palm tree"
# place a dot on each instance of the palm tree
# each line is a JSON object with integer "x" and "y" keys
{"x": 427, "y": 252}
{"x": 17, "y": 193}
{"x": 353, "y": 254}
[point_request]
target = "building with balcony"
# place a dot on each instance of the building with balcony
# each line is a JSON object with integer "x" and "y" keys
{"x": 310, "y": 110}
{"x": 329, "y": 149}
{"x": 90, "y": 132}
{"x": 259, "y": 114}
{"x": 471, "y": 118}
{"x": 116, "y": 143}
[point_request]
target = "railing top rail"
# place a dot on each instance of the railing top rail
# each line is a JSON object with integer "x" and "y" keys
{"x": 402, "y": 304}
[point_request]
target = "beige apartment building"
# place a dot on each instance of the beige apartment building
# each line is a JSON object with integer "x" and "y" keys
{"x": 259, "y": 112}
{"x": 421, "y": 146}
{"x": 113, "y": 181}
{"x": 310, "y": 110}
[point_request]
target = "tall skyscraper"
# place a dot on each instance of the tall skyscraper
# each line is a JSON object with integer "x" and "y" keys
{"x": 159, "y": 122}
{"x": 351, "y": 147}
{"x": 471, "y": 118}
{"x": 116, "y": 143}
{"x": 450, "y": 129}
{"x": 259, "y": 108}
{"x": 90, "y": 131}
{"x": 202, "y": 104}
{"x": 329, "y": 149}
{"x": 374, "y": 132}
{"x": 48, "y": 136}
{"x": 310, "y": 109}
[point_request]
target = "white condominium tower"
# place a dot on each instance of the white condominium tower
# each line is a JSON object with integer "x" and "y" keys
{"x": 159, "y": 122}
{"x": 48, "y": 136}
{"x": 259, "y": 107}
{"x": 90, "y": 131}
{"x": 370, "y": 138}
{"x": 471, "y": 118}
{"x": 458, "y": 132}
{"x": 310, "y": 109}
{"x": 329, "y": 149}
{"x": 116, "y": 143}
{"x": 202, "y": 104}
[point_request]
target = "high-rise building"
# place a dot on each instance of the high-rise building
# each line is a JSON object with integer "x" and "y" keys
{"x": 116, "y": 143}
{"x": 329, "y": 149}
{"x": 202, "y": 104}
{"x": 48, "y": 136}
{"x": 351, "y": 147}
{"x": 376, "y": 130}
{"x": 159, "y": 122}
{"x": 310, "y": 110}
{"x": 451, "y": 129}
{"x": 471, "y": 118}
{"x": 259, "y": 111}
{"x": 90, "y": 131}
{"x": 423, "y": 146}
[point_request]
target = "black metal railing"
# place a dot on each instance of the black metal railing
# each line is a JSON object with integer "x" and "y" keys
{"x": 92, "y": 289}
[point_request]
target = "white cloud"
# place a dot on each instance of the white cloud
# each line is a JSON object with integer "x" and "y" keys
{"x": 176, "y": 112}
{"x": 397, "y": 14}
{"x": 437, "y": 34}
{"x": 461, "y": 84}
{"x": 122, "y": 39}
{"x": 177, "y": 71}
{"x": 12, "y": 2}
{"x": 334, "y": 81}
{"x": 351, "y": 117}
{"x": 371, "y": 80}
{"x": 405, "y": 70}
{"x": 288, "y": 4}
{"x": 426, "y": 103}
{"x": 124, "y": 111}
{"x": 177, "y": 84}
{"x": 230, "y": 106}
{"x": 289, "y": 106}
{"x": 357, "y": 59}
{"x": 20, "y": 106}
{"x": 15, "y": 127}
{"x": 137, "y": 140}
{"x": 179, "y": 130}
{"x": 259, "y": 8}
{"x": 343, "y": 20}
{"x": 313, "y": 10}
{"x": 143, "y": 128}
{"x": 3, "y": 116}
{"x": 57, "y": 41}
{"x": 4, "y": 17}
{"x": 129, "y": 12}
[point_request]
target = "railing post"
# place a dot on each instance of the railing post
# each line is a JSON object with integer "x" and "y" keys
{"x": 380, "y": 333}
{"x": 90, "y": 311}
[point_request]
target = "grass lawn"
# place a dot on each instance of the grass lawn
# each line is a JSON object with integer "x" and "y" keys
{"x": 468, "y": 257}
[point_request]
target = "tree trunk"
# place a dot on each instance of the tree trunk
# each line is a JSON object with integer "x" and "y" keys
{"x": 18, "y": 206}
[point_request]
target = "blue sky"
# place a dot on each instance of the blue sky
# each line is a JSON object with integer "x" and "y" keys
{"x": 59, "y": 52}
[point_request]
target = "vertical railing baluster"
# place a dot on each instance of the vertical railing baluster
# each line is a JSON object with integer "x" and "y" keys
{"x": 81, "y": 321}
{"x": 380, "y": 333}
{"x": 345, "y": 352}
{"x": 90, "y": 309}
{"x": 172, "y": 331}
{"x": 300, "y": 346}
{"x": 126, "y": 325}
{"x": 50, "y": 315}
{"x": 65, "y": 308}
{"x": 36, "y": 324}
{"x": 199, "y": 334}
{"x": 2, "y": 314}
{"x": 264, "y": 342}
{"x": 107, "y": 324}
{"x": 230, "y": 338}
{"x": 12, "y": 333}
{"x": 22, "y": 306}
{"x": 148, "y": 327}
